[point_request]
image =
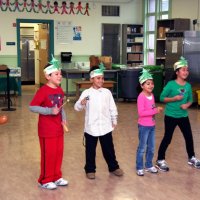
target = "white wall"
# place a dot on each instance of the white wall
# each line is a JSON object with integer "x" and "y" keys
{"x": 186, "y": 9}
{"x": 91, "y": 26}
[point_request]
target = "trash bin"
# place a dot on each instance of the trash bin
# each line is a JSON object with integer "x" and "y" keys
{"x": 129, "y": 83}
{"x": 198, "y": 97}
{"x": 157, "y": 73}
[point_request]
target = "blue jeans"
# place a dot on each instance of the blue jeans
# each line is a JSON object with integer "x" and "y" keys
{"x": 146, "y": 144}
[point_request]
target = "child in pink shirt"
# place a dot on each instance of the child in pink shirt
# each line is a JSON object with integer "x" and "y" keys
{"x": 146, "y": 124}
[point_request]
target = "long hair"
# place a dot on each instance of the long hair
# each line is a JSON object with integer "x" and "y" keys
{"x": 174, "y": 75}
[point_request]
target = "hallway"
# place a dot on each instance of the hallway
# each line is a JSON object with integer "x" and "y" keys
{"x": 20, "y": 160}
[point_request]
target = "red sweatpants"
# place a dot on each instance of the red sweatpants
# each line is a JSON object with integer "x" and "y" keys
{"x": 51, "y": 158}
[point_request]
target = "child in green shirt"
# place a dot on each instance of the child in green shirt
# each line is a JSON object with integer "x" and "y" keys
{"x": 177, "y": 95}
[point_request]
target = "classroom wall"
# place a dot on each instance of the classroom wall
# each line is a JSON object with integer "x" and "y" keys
{"x": 91, "y": 28}
{"x": 186, "y": 9}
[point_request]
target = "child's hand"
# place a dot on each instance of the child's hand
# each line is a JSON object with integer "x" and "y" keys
{"x": 64, "y": 122}
{"x": 84, "y": 101}
{"x": 184, "y": 106}
{"x": 178, "y": 97}
{"x": 159, "y": 109}
{"x": 65, "y": 126}
{"x": 114, "y": 126}
{"x": 55, "y": 110}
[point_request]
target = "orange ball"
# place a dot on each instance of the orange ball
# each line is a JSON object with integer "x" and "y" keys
{"x": 3, "y": 119}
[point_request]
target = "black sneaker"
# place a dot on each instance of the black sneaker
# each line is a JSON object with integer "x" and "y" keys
{"x": 194, "y": 162}
{"x": 162, "y": 165}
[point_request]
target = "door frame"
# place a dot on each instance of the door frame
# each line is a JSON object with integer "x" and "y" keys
{"x": 51, "y": 38}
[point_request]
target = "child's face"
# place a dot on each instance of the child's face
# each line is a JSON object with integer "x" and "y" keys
{"x": 182, "y": 72}
{"x": 54, "y": 78}
{"x": 148, "y": 86}
{"x": 97, "y": 81}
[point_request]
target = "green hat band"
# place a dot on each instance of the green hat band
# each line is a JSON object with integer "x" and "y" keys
{"x": 145, "y": 76}
{"x": 96, "y": 72}
{"x": 180, "y": 63}
{"x": 55, "y": 66}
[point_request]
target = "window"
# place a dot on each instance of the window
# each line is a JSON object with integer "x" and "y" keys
{"x": 110, "y": 11}
{"x": 154, "y": 10}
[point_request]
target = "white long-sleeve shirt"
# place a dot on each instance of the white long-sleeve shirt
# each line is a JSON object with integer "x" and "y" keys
{"x": 100, "y": 111}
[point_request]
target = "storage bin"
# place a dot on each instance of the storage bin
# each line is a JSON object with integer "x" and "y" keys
{"x": 198, "y": 97}
{"x": 129, "y": 83}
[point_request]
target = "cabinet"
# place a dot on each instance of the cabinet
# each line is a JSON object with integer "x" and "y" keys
{"x": 132, "y": 44}
{"x": 164, "y": 26}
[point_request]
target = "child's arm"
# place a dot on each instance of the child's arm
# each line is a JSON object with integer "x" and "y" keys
{"x": 64, "y": 120}
{"x": 171, "y": 99}
{"x": 113, "y": 111}
{"x": 186, "y": 105}
{"x": 64, "y": 117}
{"x": 79, "y": 106}
{"x": 81, "y": 103}
{"x": 189, "y": 100}
{"x": 164, "y": 97}
{"x": 41, "y": 110}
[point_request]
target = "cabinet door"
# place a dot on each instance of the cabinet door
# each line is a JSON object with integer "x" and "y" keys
{"x": 111, "y": 41}
{"x": 174, "y": 49}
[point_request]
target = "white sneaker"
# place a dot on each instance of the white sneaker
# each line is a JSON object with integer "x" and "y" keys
{"x": 140, "y": 172}
{"x": 49, "y": 186}
{"x": 162, "y": 165}
{"x": 151, "y": 170}
{"x": 61, "y": 182}
{"x": 194, "y": 162}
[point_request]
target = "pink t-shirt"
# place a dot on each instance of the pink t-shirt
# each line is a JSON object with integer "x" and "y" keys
{"x": 146, "y": 110}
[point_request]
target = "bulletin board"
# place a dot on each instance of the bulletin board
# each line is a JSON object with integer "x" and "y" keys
{"x": 64, "y": 32}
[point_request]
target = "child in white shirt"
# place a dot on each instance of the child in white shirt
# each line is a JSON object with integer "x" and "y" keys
{"x": 100, "y": 120}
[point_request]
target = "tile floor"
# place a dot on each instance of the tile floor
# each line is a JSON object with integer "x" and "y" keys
{"x": 20, "y": 160}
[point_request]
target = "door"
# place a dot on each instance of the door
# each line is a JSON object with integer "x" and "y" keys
{"x": 27, "y": 58}
{"x": 50, "y": 43}
{"x": 43, "y": 50}
{"x": 111, "y": 41}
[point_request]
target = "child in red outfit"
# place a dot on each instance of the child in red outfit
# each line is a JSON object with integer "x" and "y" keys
{"x": 48, "y": 103}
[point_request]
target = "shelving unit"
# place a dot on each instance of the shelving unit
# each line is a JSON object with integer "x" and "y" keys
{"x": 132, "y": 44}
{"x": 164, "y": 26}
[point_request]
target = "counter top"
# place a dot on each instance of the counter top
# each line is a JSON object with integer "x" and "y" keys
{"x": 75, "y": 70}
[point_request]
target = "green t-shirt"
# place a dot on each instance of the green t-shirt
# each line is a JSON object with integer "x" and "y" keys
{"x": 172, "y": 89}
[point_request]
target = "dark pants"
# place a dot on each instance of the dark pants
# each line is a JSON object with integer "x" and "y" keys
{"x": 170, "y": 125}
{"x": 107, "y": 147}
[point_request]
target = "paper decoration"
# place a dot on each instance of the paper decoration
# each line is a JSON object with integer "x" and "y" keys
{"x": 77, "y": 32}
{"x": 64, "y": 32}
{"x": 44, "y": 6}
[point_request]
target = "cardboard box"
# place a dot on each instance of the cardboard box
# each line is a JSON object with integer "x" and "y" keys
{"x": 138, "y": 39}
{"x": 161, "y": 32}
{"x": 134, "y": 57}
{"x": 107, "y": 61}
{"x": 138, "y": 48}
